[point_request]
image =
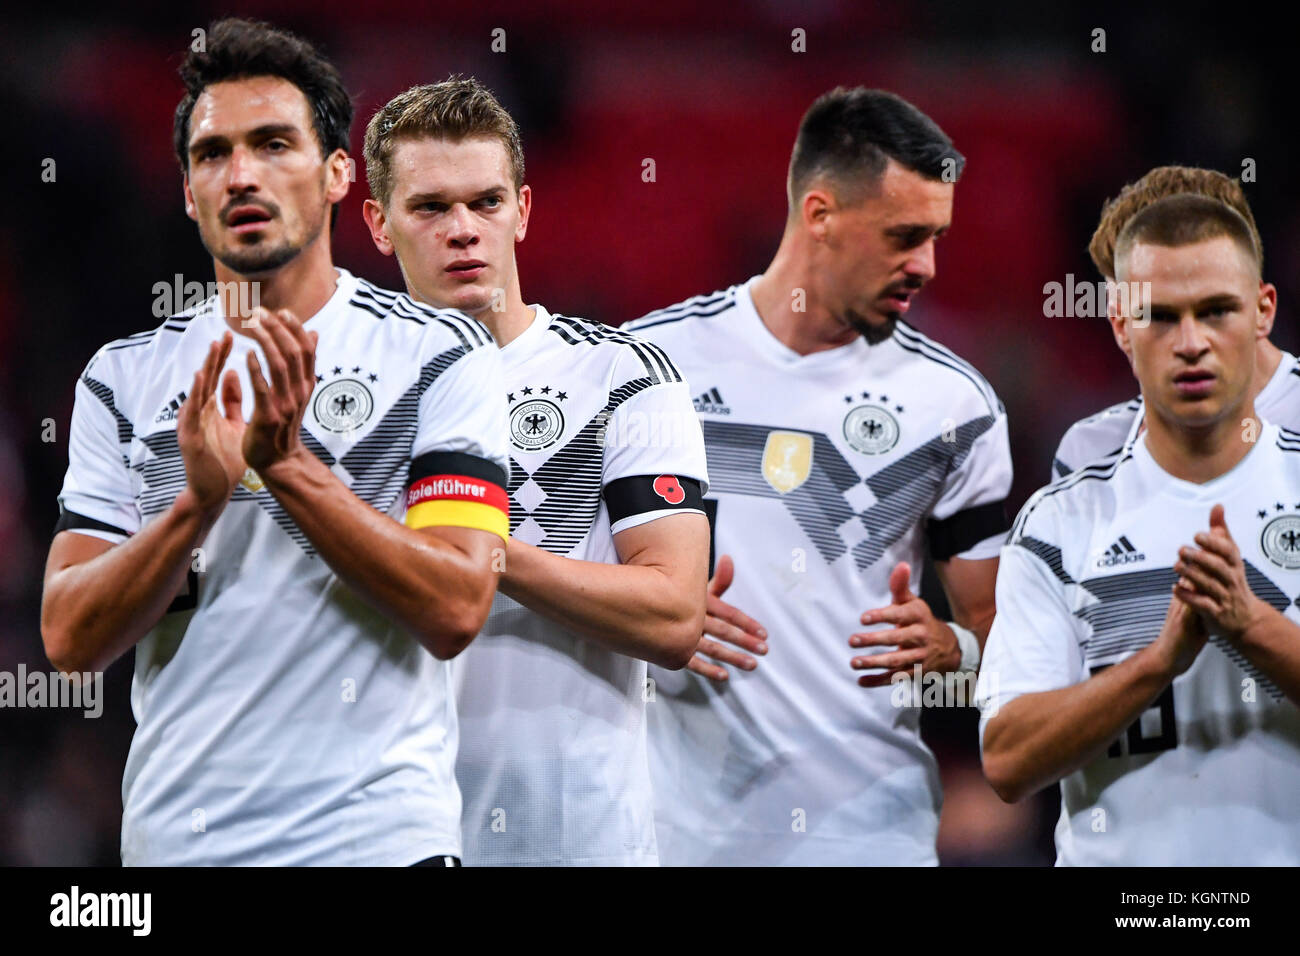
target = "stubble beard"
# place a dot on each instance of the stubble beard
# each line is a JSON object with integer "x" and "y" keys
{"x": 260, "y": 258}
{"x": 874, "y": 334}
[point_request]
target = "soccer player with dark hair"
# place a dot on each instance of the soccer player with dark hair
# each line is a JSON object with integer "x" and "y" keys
{"x": 607, "y": 560}
{"x": 294, "y": 559}
{"x": 842, "y": 443}
{"x": 1277, "y": 374}
{"x": 1154, "y": 669}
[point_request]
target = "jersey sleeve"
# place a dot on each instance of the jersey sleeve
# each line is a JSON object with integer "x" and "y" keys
{"x": 970, "y": 520}
{"x": 459, "y": 463}
{"x": 98, "y": 496}
{"x": 654, "y": 448}
{"x": 1034, "y": 642}
{"x": 1062, "y": 460}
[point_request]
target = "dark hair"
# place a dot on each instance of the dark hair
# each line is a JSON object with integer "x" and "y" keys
{"x": 849, "y": 136}
{"x": 1185, "y": 219}
{"x": 237, "y": 49}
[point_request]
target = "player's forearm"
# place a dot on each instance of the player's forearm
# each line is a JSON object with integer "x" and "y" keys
{"x": 433, "y": 589}
{"x": 95, "y": 611}
{"x": 1037, "y": 739}
{"x": 1272, "y": 643}
{"x": 635, "y": 610}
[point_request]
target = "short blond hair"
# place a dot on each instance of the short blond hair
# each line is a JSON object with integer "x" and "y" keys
{"x": 1160, "y": 183}
{"x": 1183, "y": 220}
{"x": 454, "y": 109}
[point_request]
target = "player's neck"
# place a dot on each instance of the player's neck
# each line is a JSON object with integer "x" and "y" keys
{"x": 1267, "y": 358}
{"x": 302, "y": 286}
{"x": 787, "y": 304}
{"x": 1204, "y": 453}
{"x": 512, "y": 321}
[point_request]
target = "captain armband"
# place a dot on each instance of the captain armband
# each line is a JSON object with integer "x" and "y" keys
{"x": 453, "y": 489}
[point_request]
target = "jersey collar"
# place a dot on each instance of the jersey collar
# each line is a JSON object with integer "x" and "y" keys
{"x": 754, "y": 331}
{"x": 1216, "y": 490}
{"x": 345, "y": 284}
{"x": 521, "y": 344}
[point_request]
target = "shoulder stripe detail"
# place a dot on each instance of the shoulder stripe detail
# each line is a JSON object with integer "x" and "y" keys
{"x": 1288, "y": 440}
{"x": 127, "y": 343}
{"x": 1102, "y": 470}
{"x": 659, "y": 367}
{"x": 693, "y": 304}
{"x": 650, "y": 321}
{"x": 958, "y": 365}
{"x": 470, "y": 332}
{"x": 699, "y": 306}
{"x": 361, "y": 303}
{"x": 1132, "y": 405}
{"x": 915, "y": 342}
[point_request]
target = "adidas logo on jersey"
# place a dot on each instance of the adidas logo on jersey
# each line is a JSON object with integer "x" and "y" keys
{"x": 170, "y": 411}
{"x": 710, "y": 402}
{"x": 1121, "y": 552}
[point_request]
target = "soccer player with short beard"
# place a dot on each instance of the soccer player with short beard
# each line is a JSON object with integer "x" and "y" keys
{"x": 293, "y": 560}
{"x": 842, "y": 442}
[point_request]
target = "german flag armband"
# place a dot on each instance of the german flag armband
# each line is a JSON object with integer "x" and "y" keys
{"x": 453, "y": 489}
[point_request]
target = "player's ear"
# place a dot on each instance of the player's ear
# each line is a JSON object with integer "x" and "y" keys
{"x": 525, "y": 207}
{"x": 816, "y": 208}
{"x": 1115, "y": 315}
{"x": 1266, "y": 309}
{"x": 342, "y": 172}
{"x": 190, "y": 209}
{"x": 377, "y": 222}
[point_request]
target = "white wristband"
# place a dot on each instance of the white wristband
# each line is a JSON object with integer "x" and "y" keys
{"x": 970, "y": 648}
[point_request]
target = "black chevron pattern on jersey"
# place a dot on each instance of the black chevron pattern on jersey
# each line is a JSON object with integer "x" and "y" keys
{"x": 1049, "y": 554}
{"x": 378, "y": 464}
{"x": 904, "y": 490}
{"x": 125, "y": 430}
{"x": 571, "y": 479}
{"x": 818, "y": 506}
{"x": 1131, "y": 608}
{"x": 164, "y": 478}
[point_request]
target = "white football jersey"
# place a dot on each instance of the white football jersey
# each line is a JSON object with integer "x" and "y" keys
{"x": 1208, "y": 776}
{"x": 282, "y": 720}
{"x": 1105, "y": 433}
{"x": 553, "y": 760}
{"x": 826, "y": 470}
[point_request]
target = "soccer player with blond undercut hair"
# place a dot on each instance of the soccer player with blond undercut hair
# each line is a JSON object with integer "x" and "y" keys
{"x": 1277, "y": 377}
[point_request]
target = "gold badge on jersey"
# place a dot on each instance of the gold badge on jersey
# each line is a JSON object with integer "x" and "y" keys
{"x": 787, "y": 460}
{"x": 252, "y": 481}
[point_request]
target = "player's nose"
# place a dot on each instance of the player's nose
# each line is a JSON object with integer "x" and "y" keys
{"x": 920, "y": 264}
{"x": 462, "y": 231}
{"x": 240, "y": 174}
{"x": 1190, "y": 340}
